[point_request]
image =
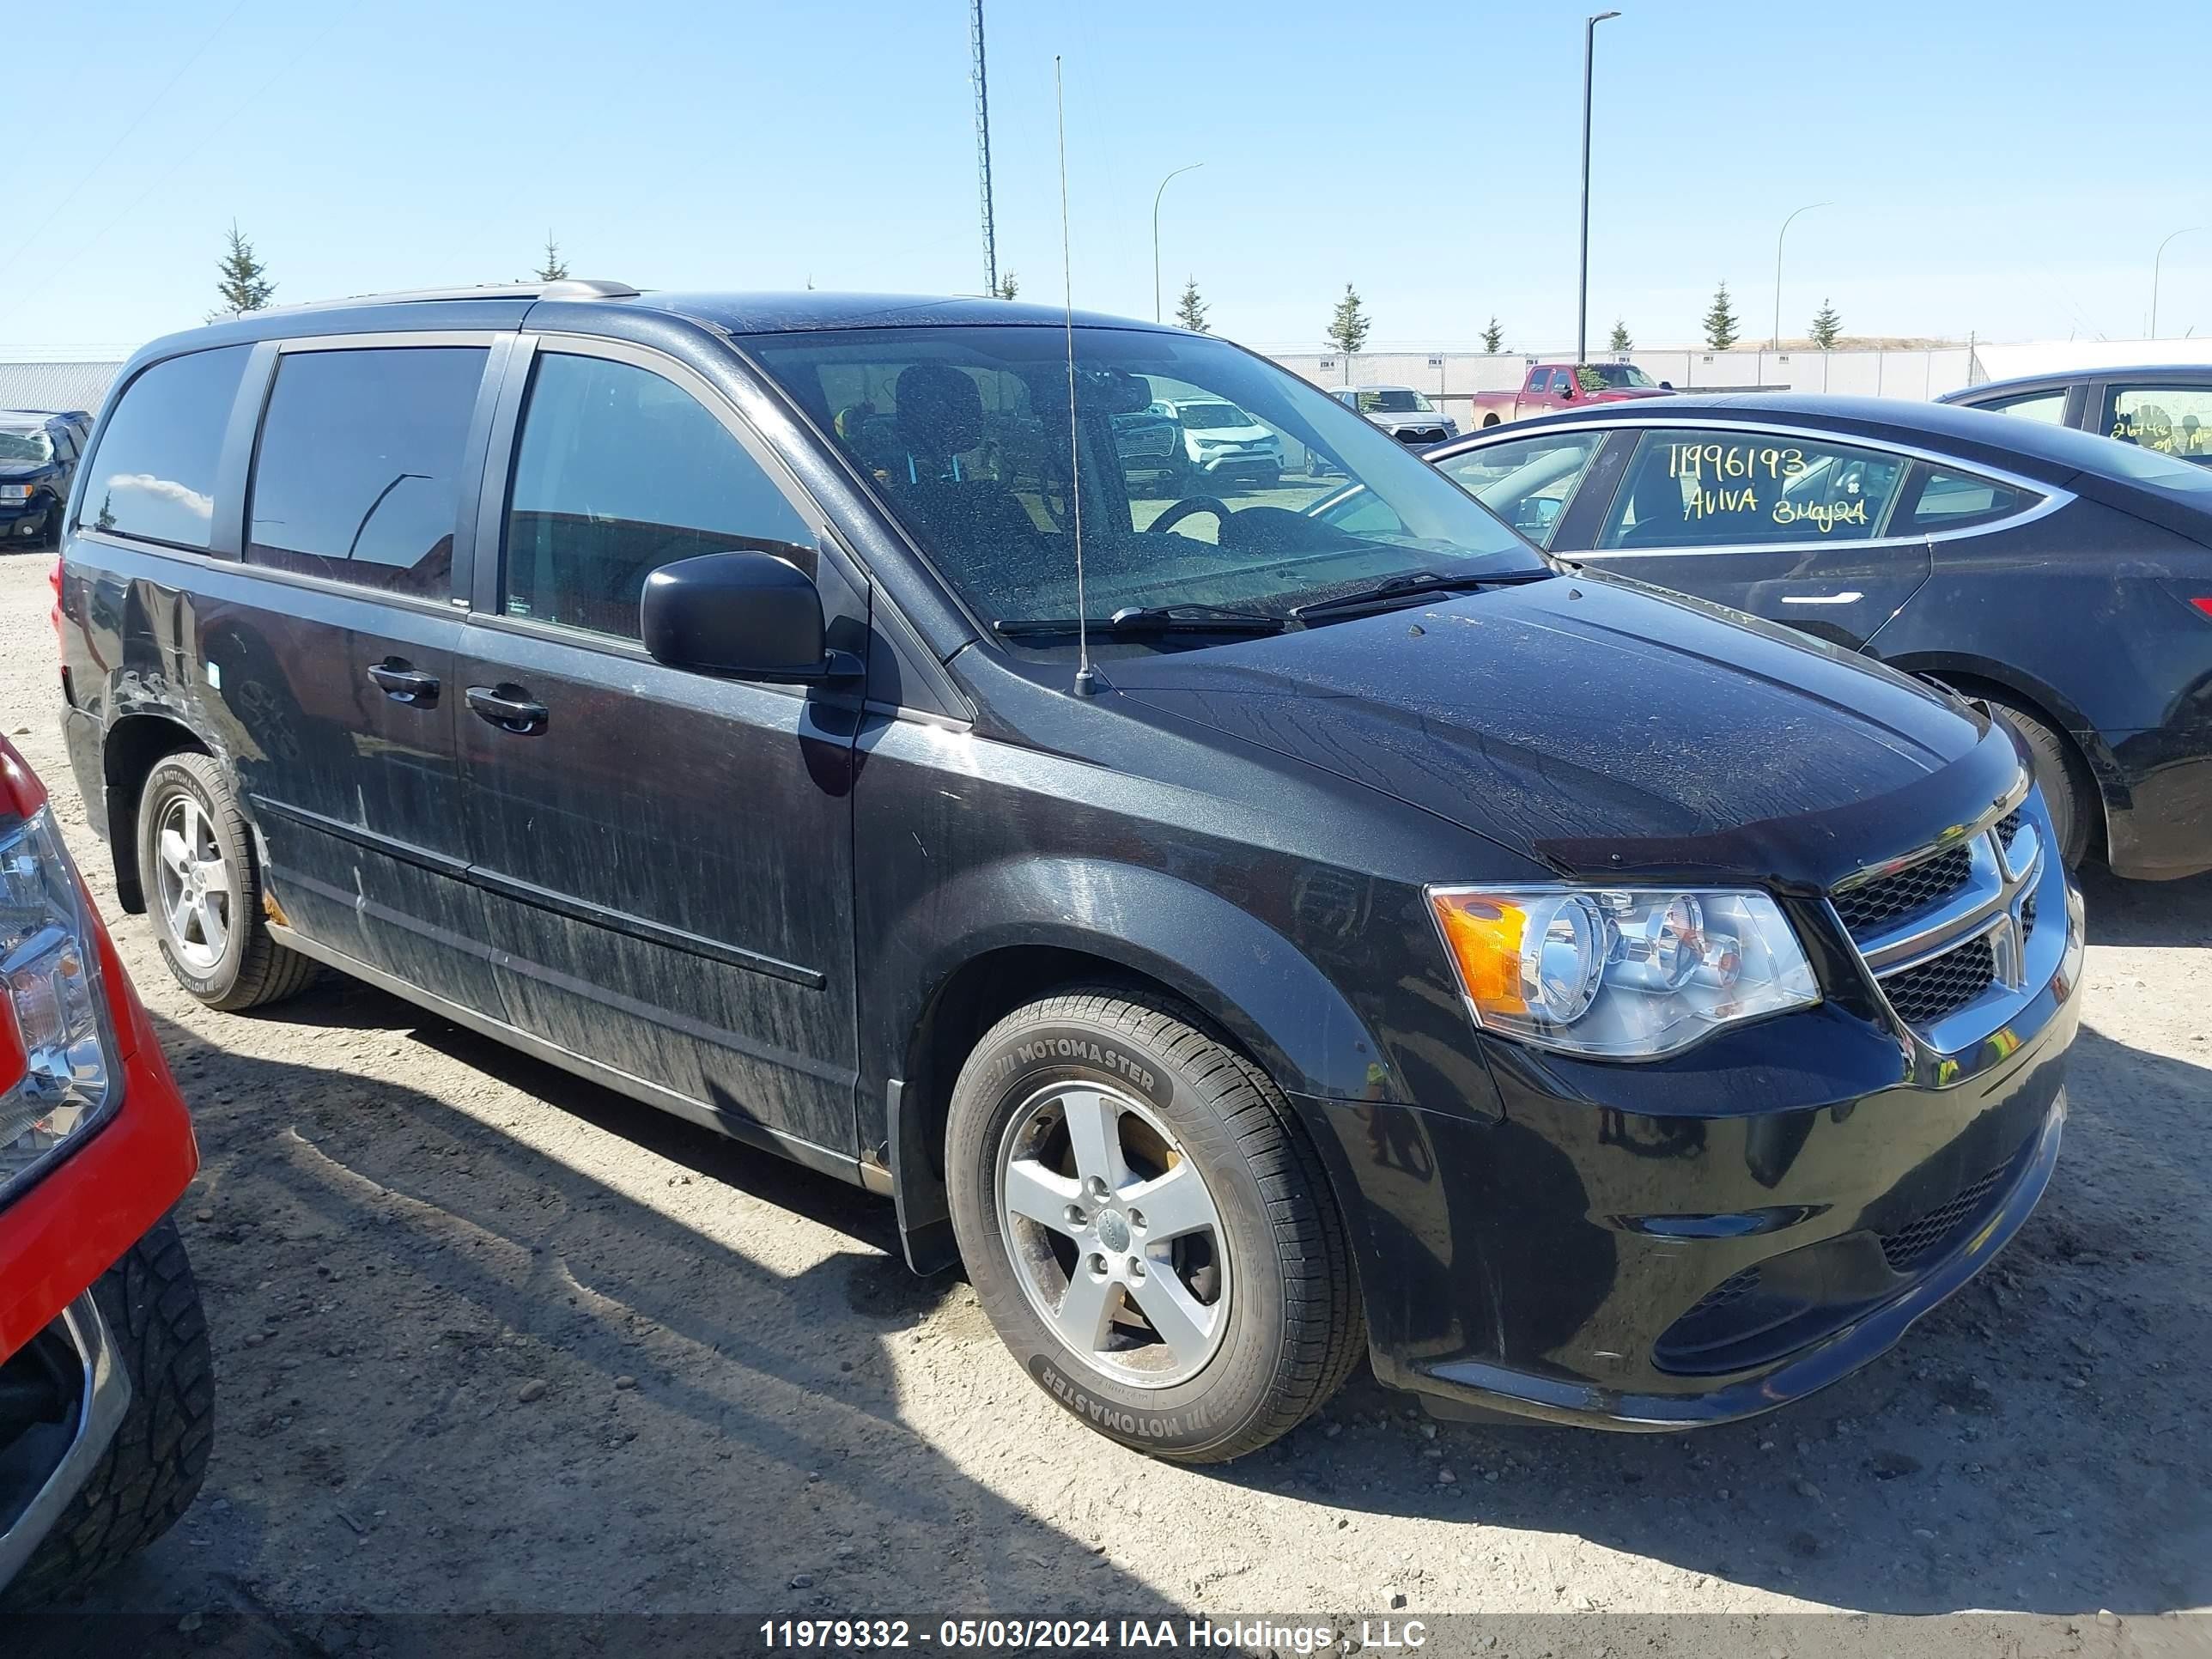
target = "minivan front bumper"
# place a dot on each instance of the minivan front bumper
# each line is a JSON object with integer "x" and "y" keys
{"x": 1659, "y": 1246}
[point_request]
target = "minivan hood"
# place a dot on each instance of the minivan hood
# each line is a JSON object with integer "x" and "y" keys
{"x": 1599, "y": 727}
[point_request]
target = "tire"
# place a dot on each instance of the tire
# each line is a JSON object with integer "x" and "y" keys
{"x": 2068, "y": 794}
{"x": 218, "y": 947}
{"x": 1489, "y": 420}
{"x": 1260, "y": 1276}
{"x": 1268, "y": 479}
{"x": 153, "y": 1467}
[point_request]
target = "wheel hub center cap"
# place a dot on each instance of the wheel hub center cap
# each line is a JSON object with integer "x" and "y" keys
{"x": 1113, "y": 1229}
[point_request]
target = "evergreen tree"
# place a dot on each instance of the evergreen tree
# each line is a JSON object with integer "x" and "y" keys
{"x": 1492, "y": 338}
{"x": 1620, "y": 340}
{"x": 1009, "y": 286}
{"x": 244, "y": 284}
{"x": 1348, "y": 325}
{"x": 1190, "y": 310}
{"x": 1720, "y": 322}
{"x": 1826, "y": 326}
{"x": 552, "y": 268}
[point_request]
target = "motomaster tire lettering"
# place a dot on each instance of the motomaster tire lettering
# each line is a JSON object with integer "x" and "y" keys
{"x": 1106, "y": 1415}
{"x": 1046, "y": 1048}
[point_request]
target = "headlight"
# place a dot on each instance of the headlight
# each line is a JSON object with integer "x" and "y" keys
{"x": 55, "y": 1076}
{"x": 15, "y": 492}
{"x": 1621, "y": 974}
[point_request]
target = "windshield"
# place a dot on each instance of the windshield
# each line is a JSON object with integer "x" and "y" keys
{"x": 1598, "y": 376}
{"x": 1393, "y": 400}
{"x": 964, "y": 433}
{"x": 22, "y": 443}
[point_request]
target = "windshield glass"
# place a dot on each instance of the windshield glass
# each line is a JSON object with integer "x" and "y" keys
{"x": 22, "y": 443}
{"x": 1598, "y": 376}
{"x": 964, "y": 431}
{"x": 1393, "y": 400}
{"x": 1214, "y": 417}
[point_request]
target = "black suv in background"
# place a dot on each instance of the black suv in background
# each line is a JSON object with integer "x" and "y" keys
{"x": 39, "y": 453}
{"x": 1245, "y": 939}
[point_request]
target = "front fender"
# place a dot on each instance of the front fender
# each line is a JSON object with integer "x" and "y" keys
{"x": 1237, "y": 971}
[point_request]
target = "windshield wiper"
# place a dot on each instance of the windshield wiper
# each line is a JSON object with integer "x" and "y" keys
{"x": 1139, "y": 619}
{"x": 1386, "y": 594}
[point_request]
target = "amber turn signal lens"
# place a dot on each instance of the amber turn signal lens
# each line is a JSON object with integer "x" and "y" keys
{"x": 1485, "y": 937}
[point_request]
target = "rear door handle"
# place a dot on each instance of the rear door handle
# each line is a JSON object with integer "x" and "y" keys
{"x": 512, "y": 713}
{"x": 402, "y": 683}
{"x": 1850, "y": 596}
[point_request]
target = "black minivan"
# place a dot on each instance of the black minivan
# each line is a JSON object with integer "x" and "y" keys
{"x": 1244, "y": 941}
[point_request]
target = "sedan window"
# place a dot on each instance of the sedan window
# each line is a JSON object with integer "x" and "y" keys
{"x": 1949, "y": 500}
{"x": 1529, "y": 482}
{"x": 2173, "y": 420}
{"x": 2032, "y": 405}
{"x": 1723, "y": 488}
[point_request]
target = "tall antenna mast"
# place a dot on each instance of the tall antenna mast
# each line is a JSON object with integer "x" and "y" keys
{"x": 1086, "y": 678}
{"x": 983, "y": 141}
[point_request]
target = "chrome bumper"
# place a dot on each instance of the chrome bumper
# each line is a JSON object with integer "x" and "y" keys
{"x": 100, "y": 1407}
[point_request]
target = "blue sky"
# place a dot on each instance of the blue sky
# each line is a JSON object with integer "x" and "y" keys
{"x": 2007, "y": 169}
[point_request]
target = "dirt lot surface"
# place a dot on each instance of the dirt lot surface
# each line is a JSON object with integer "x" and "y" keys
{"x": 487, "y": 1337}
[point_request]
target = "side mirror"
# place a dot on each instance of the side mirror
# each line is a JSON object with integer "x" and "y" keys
{"x": 1666, "y": 386}
{"x": 750, "y": 616}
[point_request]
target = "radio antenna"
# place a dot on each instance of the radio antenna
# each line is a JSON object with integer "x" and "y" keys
{"x": 1086, "y": 678}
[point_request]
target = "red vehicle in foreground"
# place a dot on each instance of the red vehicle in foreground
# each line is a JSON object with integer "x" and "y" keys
{"x": 105, "y": 1395}
{"x": 1562, "y": 386}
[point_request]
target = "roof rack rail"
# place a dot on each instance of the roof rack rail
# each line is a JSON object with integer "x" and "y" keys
{"x": 567, "y": 287}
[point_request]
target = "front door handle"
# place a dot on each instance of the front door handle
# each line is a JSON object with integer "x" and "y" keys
{"x": 1850, "y": 596}
{"x": 402, "y": 684}
{"x": 509, "y": 708}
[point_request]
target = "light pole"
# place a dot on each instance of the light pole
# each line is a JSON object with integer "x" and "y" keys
{"x": 1582, "y": 287}
{"x": 1775, "y": 345}
{"x": 2155, "y": 259}
{"x": 1156, "y": 194}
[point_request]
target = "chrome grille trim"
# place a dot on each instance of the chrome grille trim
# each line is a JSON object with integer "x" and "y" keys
{"x": 2007, "y": 870}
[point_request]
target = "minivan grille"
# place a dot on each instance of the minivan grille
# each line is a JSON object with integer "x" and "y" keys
{"x": 1865, "y": 908}
{"x": 1946, "y": 983}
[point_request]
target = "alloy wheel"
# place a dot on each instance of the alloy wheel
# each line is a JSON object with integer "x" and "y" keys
{"x": 1114, "y": 1234}
{"x": 198, "y": 893}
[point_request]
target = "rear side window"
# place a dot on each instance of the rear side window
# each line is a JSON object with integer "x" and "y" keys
{"x": 1719, "y": 488}
{"x": 620, "y": 471}
{"x": 1947, "y": 499}
{"x": 357, "y": 476}
{"x": 154, "y": 472}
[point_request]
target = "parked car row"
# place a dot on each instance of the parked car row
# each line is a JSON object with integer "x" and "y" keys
{"x": 1246, "y": 935}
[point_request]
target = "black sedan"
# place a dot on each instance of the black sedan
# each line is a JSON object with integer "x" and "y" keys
{"x": 2063, "y": 580}
{"x": 2166, "y": 407}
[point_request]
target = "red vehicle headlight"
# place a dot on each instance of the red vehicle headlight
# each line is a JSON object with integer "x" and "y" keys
{"x": 57, "y": 1074}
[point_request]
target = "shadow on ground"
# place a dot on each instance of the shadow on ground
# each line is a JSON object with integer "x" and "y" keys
{"x": 455, "y": 1372}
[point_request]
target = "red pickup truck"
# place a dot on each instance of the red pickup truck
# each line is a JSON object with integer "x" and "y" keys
{"x": 1562, "y": 386}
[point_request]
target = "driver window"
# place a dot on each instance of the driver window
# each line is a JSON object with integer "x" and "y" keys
{"x": 617, "y": 472}
{"x": 1529, "y": 482}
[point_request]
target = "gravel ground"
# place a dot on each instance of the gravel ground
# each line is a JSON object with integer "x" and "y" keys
{"x": 490, "y": 1338}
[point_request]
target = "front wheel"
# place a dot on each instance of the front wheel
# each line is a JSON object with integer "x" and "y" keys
{"x": 1146, "y": 1227}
